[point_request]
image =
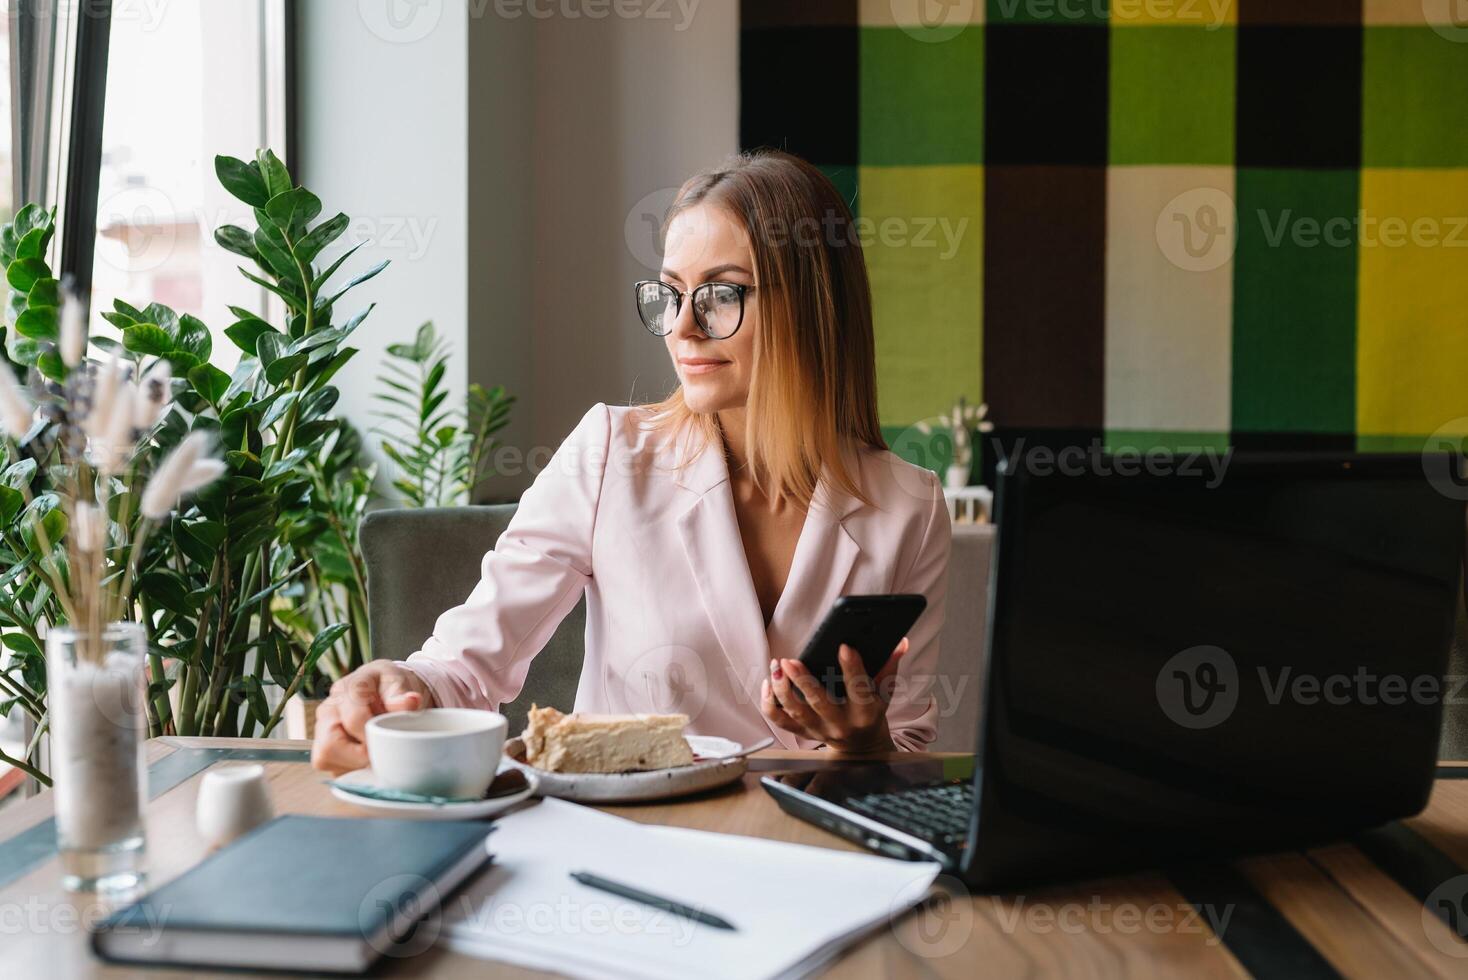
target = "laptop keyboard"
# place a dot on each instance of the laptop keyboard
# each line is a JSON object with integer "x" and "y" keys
{"x": 938, "y": 814}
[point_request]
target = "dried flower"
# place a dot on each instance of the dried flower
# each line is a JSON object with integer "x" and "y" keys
{"x": 88, "y": 528}
{"x": 114, "y": 447}
{"x": 16, "y": 411}
{"x": 153, "y": 395}
{"x": 109, "y": 378}
{"x": 73, "y": 332}
{"x": 183, "y": 471}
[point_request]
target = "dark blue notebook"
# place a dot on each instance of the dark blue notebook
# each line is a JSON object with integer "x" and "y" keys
{"x": 299, "y": 893}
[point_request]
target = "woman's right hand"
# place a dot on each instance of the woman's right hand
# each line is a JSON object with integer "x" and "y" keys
{"x": 340, "y": 745}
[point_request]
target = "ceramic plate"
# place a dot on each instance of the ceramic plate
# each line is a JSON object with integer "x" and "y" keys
{"x": 475, "y": 810}
{"x": 711, "y": 768}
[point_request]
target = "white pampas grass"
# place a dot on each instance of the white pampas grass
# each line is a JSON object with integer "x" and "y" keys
{"x": 88, "y": 528}
{"x": 113, "y": 448}
{"x": 183, "y": 471}
{"x": 73, "y": 332}
{"x": 154, "y": 394}
{"x": 16, "y": 411}
{"x": 110, "y": 377}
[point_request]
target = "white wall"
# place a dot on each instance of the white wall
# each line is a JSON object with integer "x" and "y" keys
{"x": 381, "y": 116}
{"x": 534, "y": 142}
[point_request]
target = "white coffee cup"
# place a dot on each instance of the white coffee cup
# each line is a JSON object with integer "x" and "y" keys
{"x": 233, "y": 800}
{"x": 438, "y": 751}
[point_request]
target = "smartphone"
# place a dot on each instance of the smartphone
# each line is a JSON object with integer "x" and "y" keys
{"x": 871, "y": 624}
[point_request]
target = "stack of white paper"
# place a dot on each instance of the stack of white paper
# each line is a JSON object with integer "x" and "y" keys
{"x": 793, "y": 907}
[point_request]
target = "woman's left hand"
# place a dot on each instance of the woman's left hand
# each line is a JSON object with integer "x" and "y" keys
{"x": 796, "y": 700}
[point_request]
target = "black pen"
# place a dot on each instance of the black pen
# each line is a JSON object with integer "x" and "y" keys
{"x": 656, "y": 901}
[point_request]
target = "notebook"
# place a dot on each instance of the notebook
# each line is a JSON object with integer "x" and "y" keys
{"x": 299, "y": 893}
{"x": 793, "y": 907}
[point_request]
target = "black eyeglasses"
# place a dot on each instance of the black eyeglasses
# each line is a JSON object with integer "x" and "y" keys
{"x": 718, "y": 307}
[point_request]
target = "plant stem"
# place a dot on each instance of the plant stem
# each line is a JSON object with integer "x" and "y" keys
{"x": 188, "y": 703}
{"x": 163, "y": 709}
{"x": 26, "y": 768}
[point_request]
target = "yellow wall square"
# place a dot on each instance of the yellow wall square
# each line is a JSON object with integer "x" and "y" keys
{"x": 1413, "y": 316}
{"x": 1210, "y": 14}
{"x": 922, "y": 231}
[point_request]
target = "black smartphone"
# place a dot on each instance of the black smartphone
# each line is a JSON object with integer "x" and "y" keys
{"x": 871, "y": 624}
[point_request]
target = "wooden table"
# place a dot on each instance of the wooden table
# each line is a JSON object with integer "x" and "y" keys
{"x": 1356, "y": 909}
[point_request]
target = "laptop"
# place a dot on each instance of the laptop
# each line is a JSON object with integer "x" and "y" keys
{"x": 1182, "y": 665}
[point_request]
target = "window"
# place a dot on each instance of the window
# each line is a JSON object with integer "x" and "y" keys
{"x": 184, "y": 83}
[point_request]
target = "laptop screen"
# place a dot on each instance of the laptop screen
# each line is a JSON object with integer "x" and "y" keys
{"x": 1185, "y": 661}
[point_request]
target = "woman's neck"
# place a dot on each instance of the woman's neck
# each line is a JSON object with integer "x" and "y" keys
{"x": 731, "y": 425}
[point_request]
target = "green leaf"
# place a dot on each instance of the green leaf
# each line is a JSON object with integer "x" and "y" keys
{"x": 278, "y": 259}
{"x": 119, "y": 320}
{"x": 21, "y": 643}
{"x": 182, "y": 362}
{"x": 293, "y": 210}
{"x": 279, "y": 407}
{"x": 210, "y": 382}
{"x": 40, "y": 323}
{"x": 46, "y": 292}
{"x": 247, "y": 331}
{"x": 166, "y": 589}
{"x": 32, "y": 245}
{"x": 318, "y": 403}
{"x": 284, "y": 465}
{"x": 322, "y": 643}
{"x": 51, "y": 366}
{"x": 355, "y": 282}
{"x": 47, "y": 510}
{"x": 11, "y": 501}
{"x": 270, "y": 346}
{"x": 282, "y": 368}
{"x": 321, "y": 236}
{"x": 147, "y": 338}
{"x": 129, "y": 311}
{"x": 338, "y": 360}
{"x": 210, "y": 532}
{"x": 242, "y": 179}
{"x": 23, "y": 273}
{"x": 194, "y": 337}
{"x": 423, "y": 342}
{"x": 19, "y": 474}
{"x": 108, "y": 344}
{"x": 320, "y": 280}
{"x": 277, "y": 178}
{"x": 292, "y": 301}
{"x": 233, "y": 238}
{"x": 163, "y": 316}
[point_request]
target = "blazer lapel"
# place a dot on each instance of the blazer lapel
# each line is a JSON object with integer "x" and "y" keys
{"x": 824, "y": 557}
{"x": 715, "y": 552}
{"x": 819, "y": 572}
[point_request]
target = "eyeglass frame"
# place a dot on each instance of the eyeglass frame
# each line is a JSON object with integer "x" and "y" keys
{"x": 679, "y": 295}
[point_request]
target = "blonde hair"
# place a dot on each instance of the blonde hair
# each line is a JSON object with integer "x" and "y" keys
{"x": 813, "y": 388}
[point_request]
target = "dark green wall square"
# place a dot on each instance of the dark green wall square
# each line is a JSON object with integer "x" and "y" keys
{"x": 1295, "y": 285}
{"x": 1056, "y": 13}
{"x": 922, "y": 103}
{"x": 847, "y": 181}
{"x": 1172, "y": 95}
{"x": 1414, "y": 110}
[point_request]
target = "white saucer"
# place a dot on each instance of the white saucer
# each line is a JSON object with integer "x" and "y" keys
{"x": 711, "y": 768}
{"x": 474, "y": 810}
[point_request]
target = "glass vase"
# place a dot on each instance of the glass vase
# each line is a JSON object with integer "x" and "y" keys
{"x": 96, "y": 687}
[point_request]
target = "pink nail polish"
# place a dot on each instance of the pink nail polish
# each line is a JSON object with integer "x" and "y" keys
{"x": 778, "y": 675}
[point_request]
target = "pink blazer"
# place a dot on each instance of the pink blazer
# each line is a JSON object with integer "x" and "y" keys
{"x": 672, "y": 620}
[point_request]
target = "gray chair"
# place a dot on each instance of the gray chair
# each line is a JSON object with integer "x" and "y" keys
{"x": 421, "y": 562}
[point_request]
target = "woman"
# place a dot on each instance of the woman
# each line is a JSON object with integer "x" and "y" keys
{"x": 713, "y": 531}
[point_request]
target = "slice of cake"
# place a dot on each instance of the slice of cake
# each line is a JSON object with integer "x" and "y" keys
{"x": 559, "y": 742}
